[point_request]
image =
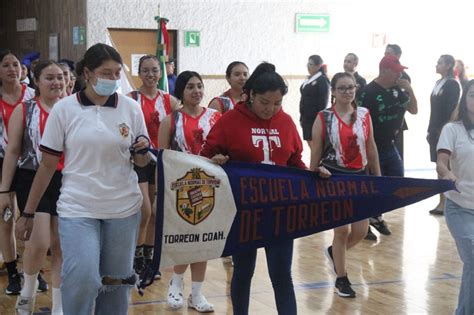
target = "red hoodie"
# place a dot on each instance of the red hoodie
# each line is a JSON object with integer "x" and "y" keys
{"x": 245, "y": 137}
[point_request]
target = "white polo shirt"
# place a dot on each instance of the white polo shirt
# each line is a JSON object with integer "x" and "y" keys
{"x": 454, "y": 139}
{"x": 98, "y": 177}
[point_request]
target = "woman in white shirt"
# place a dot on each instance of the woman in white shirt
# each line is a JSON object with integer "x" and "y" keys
{"x": 455, "y": 162}
{"x": 98, "y": 130}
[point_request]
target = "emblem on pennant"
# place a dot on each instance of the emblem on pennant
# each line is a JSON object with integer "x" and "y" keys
{"x": 195, "y": 195}
{"x": 124, "y": 130}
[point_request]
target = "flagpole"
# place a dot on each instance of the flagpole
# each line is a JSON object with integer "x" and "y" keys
{"x": 161, "y": 49}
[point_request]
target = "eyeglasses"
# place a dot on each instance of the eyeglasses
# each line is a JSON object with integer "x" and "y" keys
{"x": 345, "y": 89}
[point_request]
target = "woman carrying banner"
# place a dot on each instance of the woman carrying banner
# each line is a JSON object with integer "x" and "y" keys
{"x": 233, "y": 138}
{"x": 25, "y": 130}
{"x": 236, "y": 75}
{"x": 186, "y": 130}
{"x": 343, "y": 142}
{"x": 98, "y": 130}
{"x": 12, "y": 93}
{"x": 454, "y": 162}
{"x": 155, "y": 105}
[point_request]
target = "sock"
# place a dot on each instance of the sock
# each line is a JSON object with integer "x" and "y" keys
{"x": 57, "y": 308}
{"x": 30, "y": 285}
{"x": 177, "y": 280}
{"x": 148, "y": 251}
{"x": 139, "y": 251}
{"x": 196, "y": 288}
{"x": 11, "y": 268}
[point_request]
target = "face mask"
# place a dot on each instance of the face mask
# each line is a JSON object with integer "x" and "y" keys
{"x": 105, "y": 87}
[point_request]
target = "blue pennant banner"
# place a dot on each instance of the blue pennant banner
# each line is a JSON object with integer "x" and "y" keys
{"x": 205, "y": 211}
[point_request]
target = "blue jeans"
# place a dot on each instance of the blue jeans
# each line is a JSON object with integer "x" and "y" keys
{"x": 460, "y": 222}
{"x": 93, "y": 249}
{"x": 391, "y": 163}
{"x": 279, "y": 258}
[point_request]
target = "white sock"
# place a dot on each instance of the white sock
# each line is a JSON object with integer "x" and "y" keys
{"x": 177, "y": 280}
{"x": 196, "y": 288}
{"x": 30, "y": 285}
{"x": 57, "y": 302}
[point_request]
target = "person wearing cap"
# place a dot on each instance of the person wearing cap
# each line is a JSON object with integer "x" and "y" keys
{"x": 170, "y": 67}
{"x": 30, "y": 60}
{"x": 388, "y": 97}
{"x": 444, "y": 99}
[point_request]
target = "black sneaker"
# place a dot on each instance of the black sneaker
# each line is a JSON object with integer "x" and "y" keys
{"x": 437, "y": 212}
{"x": 380, "y": 225}
{"x": 370, "y": 235}
{"x": 14, "y": 285}
{"x": 139, "y": 265}
{"x": 42, "y": 284}
{"x": 329, "y": 255}
{"x": 343, "y": 288}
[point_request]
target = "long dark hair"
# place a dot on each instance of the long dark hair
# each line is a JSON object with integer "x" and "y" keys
{"x": 231, "y": 66}
{"x": 39, "y": 69}
{"x": 334, "y": 80}
{"x": 95, "y": 56}
{"x": 146, "y": 57}
{"x": 263, "y": 79}
{"x": 181, "y": 82}
{"x": 462, "y": 114}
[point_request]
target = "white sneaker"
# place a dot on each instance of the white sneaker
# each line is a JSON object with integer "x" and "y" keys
{"x": 175, "y": 296}
{"x": 25, "y": 305}
{"x": 200, "y": 304}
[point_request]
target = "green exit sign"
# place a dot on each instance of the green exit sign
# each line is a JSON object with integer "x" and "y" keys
{"x": 192, "y": 39}
{"x": 312, "y": 23}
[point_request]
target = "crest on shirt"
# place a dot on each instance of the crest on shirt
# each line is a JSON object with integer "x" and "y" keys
{"x": 195, "y": 195}
{"x": 124, "y": 130}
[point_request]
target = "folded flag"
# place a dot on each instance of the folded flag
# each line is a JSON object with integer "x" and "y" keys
{"x": 205, "y": 211}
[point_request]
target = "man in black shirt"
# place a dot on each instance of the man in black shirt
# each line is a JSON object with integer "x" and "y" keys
{"x": 350, "y": 64}
{"x": 388, "y": 97}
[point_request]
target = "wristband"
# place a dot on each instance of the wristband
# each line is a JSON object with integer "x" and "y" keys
{"x": 6, "y": 191}
{"x": 27, "y": 215}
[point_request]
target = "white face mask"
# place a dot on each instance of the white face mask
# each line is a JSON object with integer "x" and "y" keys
{"x": 105, "y": 87}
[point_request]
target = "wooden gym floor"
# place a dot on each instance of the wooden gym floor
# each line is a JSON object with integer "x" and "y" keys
{"x": 416, "y": 270}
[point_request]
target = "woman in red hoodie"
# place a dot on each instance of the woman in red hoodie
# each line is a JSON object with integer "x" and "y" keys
{"x": 259, "y": 131}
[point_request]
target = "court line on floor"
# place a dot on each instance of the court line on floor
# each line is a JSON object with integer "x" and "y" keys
{"x": 298, "y": 287}
{"x": 314, "y": 286}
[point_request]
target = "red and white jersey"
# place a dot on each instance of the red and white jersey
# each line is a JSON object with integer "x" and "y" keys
{"x": 27, "y": 93}
{"x": 189, "y": 133}
{"x": 34, "y": 122}
{"x": 226, "y": 102}
{"x": 154, "y": 111}
{"x": 345, "y": 145}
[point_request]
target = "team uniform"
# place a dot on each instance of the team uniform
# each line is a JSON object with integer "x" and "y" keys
{"x": 189, "y": 133}
{"x": 225, "y": 101}
{"x": 345, "y": 145}
{"x": 7, "y": 110}
{"x": 100, "y": 198}
{"x": 34, "y": 121}
{"x": 243, "y": 136}
{"x": 154, "y": 111}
